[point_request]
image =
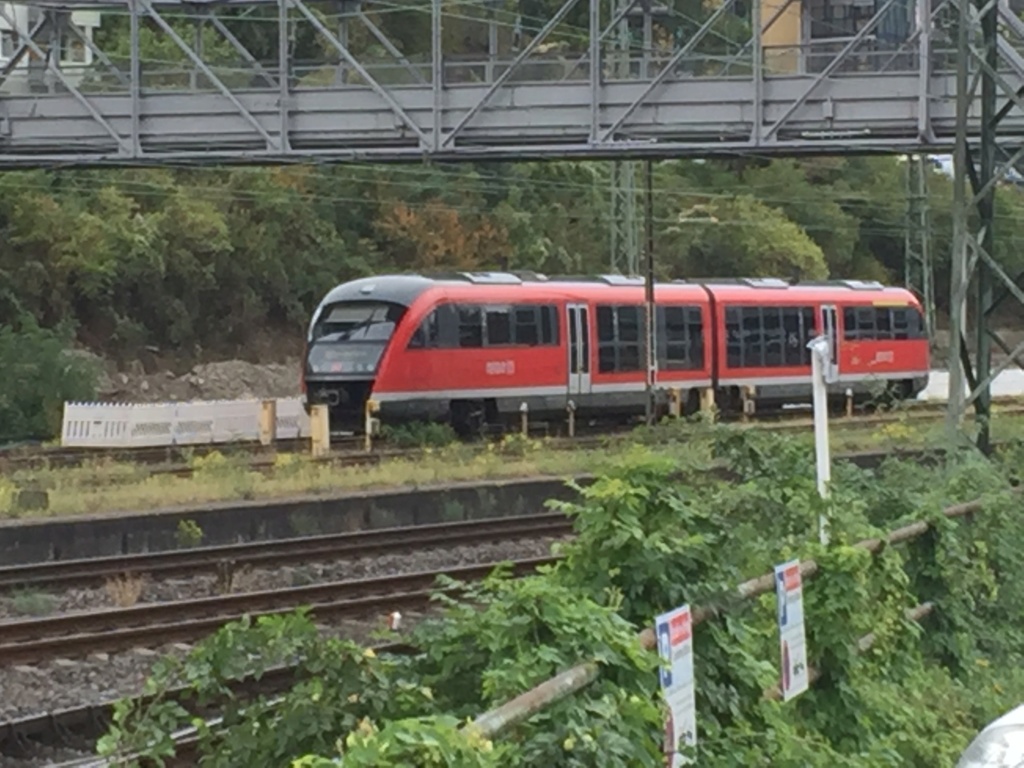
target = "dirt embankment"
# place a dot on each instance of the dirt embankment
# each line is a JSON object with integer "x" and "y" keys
{"x": 226, "y": 380}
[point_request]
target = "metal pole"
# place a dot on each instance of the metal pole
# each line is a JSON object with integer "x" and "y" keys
{"x": 283, "y": 70}
{"x": 958, "y": 273}
{"x": 436, "y": 72}
{"x": 820, "y": 354}
{"x": 986, "y": 211}
{"x": 625, "y": 234}
{"x": 135, "y": 59}
{"x": 917, "y": 242}
{"x": 649, "y": 293}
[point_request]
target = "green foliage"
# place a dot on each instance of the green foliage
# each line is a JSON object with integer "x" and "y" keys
{"x": 195, "y": 260}
{"x": 26, "y": 602}
{"x": 418, "y": 435}
{"x": 744, "y": 236}
{"x": 652, "y": 535}
{"x": 39, "y": 374}
{"x": 188, "y": 534}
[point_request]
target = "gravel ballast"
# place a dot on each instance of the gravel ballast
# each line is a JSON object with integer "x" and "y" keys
{"x": 25, "y": 605}
{"x": 100, "y": 677}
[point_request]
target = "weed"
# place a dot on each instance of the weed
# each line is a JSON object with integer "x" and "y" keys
{"x": 80, "y": 491}
{"x": 516, "y": 443}
{"x": 32, "y": 603}
{"x": 125, "y": 590}
{"x": 189, "y": 534}
{"x": 418, "y": 434}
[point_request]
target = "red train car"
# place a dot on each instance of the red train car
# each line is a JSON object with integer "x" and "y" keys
{"x": 473, "y": 348}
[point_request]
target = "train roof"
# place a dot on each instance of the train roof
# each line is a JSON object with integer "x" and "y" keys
{"x": 405, "y": 288}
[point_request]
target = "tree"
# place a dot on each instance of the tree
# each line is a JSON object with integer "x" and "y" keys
{"x": 745, "y": 238}
{"x": 39, "y": 375}
{"x": 436, "y": 237}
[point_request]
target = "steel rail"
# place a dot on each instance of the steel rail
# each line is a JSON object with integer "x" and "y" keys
{"x": 33, "y": 640}
{"x": 89, "y": 571}
{"x": 169, "y": 459}
{"x": 85, "y": 723}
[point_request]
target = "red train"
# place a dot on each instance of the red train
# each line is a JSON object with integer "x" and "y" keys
{"x": 471, "y": 348}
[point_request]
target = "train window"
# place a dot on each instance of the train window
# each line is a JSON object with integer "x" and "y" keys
{"x": 605, "y": 324}
{"x": 629, "y": 323}
{"x": 900, "y": 325}
{"x": 733, "y": 345}
{"x": 471, "y": 330}
{"x": 882, "y": 323}
{"x": 618, "y": 336}
{"x": 753, "y": 339}
{"x": 798, "y": 329}
{"x": 907, "y": 323}
{"x": 774, "y": 338}
{"x": 680, "y": 338}
{"x": 549, "y": 325}
{"x": 526, "y": 326}
{"x": 499, "y": 327}
{"x": 769, "y": 337}
{"x": 427, "y": 335}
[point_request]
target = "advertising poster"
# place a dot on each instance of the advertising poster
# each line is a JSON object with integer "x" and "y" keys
{"x": 792, "y": 640}
{"x": 675, "y": 646}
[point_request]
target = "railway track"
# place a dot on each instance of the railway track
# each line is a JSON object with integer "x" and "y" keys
{"x": 79, "y": 727}
{"x": 306, "y": 549}
{"x": 348, "y": 451}
{"x": 72, "y": 634}
{"x": 33, "y": 640}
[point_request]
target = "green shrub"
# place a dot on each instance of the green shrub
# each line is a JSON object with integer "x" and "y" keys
{"x": 651, "y": 535}
{"x": 37, "y": 375}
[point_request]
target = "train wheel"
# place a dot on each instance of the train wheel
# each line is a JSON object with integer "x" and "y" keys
{"x": 692, "y": 404}
{"x": 468, "y": 418}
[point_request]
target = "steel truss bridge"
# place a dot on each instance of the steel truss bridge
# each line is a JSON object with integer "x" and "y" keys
{"x": 272, "y": 81}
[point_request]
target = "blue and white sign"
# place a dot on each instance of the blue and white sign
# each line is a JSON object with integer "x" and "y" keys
{"x": 792, "y": 638}
{"x": 675, "y": 646}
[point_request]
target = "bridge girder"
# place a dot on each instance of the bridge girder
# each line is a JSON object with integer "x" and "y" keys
{"x": 368, "y": 97}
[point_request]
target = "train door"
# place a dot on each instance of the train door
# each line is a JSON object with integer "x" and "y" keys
{"x": 578, "y": 323}
{"x": 830, "y": 328}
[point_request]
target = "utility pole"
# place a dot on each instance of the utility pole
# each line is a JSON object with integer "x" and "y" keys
{"x": 917, "y": 255}
{"x": 649, "y": 294}
{"x": 625, "y": 229}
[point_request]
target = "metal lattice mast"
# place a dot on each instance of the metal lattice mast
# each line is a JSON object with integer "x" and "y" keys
{"x": 625, "y": 223}
{"x": 984, "y": 100}
{"x": 918, "y": 275}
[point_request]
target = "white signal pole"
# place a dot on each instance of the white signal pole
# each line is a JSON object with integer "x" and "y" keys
{"x": 821, "y": 373}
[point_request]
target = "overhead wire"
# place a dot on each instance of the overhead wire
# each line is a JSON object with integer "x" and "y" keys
{"x": 142, "y": 188}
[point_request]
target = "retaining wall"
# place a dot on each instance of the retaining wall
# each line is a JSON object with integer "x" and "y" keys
{"x": 226, "y": 523}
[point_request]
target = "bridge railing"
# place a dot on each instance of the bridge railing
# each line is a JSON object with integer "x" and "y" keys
{"x": 871, "y": 54}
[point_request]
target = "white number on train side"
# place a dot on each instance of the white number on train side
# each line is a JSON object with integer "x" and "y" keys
{"x": 501, "y": 367}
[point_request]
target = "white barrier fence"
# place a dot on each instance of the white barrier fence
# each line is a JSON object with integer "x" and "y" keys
{"x": 129, "y": 425}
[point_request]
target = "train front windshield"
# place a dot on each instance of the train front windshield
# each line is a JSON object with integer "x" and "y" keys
{"x": 350, "y": 337}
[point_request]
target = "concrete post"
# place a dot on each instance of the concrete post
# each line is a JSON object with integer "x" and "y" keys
{"x": 268, "y": 422}
{"x": 320, "y": 430}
